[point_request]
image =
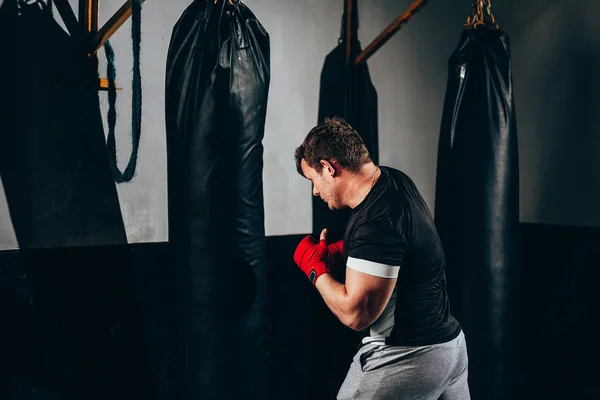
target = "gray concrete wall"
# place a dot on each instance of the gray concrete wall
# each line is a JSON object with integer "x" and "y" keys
{"x": 557, "y": 85}
{"x": 555, "y": 64}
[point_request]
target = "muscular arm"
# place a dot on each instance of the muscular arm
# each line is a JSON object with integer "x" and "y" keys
{"x": 359, "y": 302}
{"x": 369, "y": 281}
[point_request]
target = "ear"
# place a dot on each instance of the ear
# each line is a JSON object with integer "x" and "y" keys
{"x": 328, "y": 167}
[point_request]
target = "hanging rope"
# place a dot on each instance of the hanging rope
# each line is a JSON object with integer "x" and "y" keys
{"x": 136, "y": 99}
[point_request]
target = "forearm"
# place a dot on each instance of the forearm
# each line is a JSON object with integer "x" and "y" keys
{"x": 359, "y": 301}
{"x": 349, "y": 308}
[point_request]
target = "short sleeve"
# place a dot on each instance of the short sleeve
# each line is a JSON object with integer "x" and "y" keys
{"x": 376, "y": 248}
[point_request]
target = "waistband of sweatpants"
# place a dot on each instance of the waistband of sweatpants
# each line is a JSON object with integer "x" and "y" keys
{"x": 388, "y": 340}
{"x": 372, "y": 340}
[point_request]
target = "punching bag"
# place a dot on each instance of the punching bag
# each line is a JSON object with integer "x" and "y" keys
{"x": 477, "y": 207}
{"x": 53, "y": 158}
{"x": 63, "y": 205}
{"x": 346, "y": 90}
{"x": 217, "y": 80}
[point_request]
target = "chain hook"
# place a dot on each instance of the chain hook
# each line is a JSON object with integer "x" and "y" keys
{"x": 482, "y": 15}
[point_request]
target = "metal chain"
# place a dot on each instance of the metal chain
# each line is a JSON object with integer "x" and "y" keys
{"x": 482, "y": 15}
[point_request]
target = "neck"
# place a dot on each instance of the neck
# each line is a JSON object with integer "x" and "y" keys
{"x": 360, "y": 184}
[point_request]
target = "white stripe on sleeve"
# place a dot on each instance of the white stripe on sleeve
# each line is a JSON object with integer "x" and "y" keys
{"x": 373, "y": 268}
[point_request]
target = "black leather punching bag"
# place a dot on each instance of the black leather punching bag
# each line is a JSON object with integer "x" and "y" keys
{"x": 477, "y": 207}
{"x": 346, "y": 91}
{"x": 63, "y": 205}
{"x": 53, "y": 158}
{"x": 217, "y": 80}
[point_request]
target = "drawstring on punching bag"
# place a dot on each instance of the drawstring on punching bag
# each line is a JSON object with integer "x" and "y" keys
{"x": 136, "y": 99}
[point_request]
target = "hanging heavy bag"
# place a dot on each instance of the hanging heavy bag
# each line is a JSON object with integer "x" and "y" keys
{"x": 217, "y": 84}
{"x": 477, "y": 205}
{"x": 57, "y": 180}
{"x": 53, "y": 158}
{"x": 346, "y": 91}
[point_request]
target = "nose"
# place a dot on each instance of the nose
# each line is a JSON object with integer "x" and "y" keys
{"x": 315, "y": 191}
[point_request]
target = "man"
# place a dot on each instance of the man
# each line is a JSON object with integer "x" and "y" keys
{"x": 395, "y": 285}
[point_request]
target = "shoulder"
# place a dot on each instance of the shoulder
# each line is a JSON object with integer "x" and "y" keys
{"x": 382, "y": 212}
{"x": 397, "y": 176}
{"x": 403, "y": 193}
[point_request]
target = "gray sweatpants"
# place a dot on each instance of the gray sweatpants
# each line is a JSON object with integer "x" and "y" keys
{"x": 380, "y": 372}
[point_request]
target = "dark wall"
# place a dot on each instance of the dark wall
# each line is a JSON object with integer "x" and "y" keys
{"x": 87, "y": 323}
{"x": 98, "y": 322}
{"x": 560, "y": 308}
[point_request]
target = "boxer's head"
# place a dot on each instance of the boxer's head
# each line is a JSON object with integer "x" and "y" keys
{"x": 328, "y": 150}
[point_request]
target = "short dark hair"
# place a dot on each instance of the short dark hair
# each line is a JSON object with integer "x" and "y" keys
{"x": 333, "y": 140}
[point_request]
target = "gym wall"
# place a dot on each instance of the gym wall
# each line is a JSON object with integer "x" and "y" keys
{"x": 105, "y": 324}
{"x": 555, "y": 55}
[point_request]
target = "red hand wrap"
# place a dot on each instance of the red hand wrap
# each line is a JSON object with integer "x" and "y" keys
{"x": 312, "y": 257}
{"x": 336, "y": 254}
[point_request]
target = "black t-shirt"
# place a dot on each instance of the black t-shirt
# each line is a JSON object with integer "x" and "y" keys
{"x": 391, "y": 234}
